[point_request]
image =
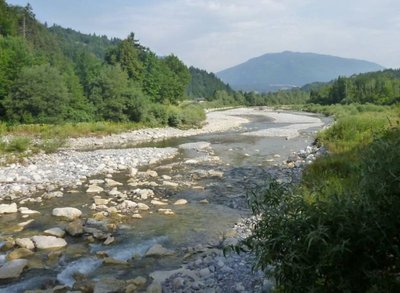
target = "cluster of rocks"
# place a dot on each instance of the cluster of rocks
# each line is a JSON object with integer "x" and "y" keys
{"x": 108, "y": 199}
{"x": 71, "y": 224}
{"x": 69, "y": 168}
{"x": 211, "y": 271}
{"x": 304, "y": 157}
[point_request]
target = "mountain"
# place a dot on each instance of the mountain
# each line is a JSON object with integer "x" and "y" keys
{"x": 285, "y": 70}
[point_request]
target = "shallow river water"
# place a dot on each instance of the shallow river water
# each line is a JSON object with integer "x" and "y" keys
{"x": 241, "y": 158}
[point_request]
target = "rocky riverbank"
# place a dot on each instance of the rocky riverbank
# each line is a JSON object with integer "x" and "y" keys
{"x": 41, "y": 231}
{"x": 68, "y": 167}
{"x": 212, "y": 271}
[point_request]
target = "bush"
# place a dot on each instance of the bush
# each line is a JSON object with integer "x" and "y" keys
{"x": 347, "y": 241}
{"x": 18, "y": 144}
{"x": 192, "y": 115}
{"x": 52, "y": 145}
{"x": 174, "y": 116}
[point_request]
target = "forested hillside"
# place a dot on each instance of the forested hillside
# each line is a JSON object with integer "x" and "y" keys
{"x": 52, "y": 75}
{"x": 204, "y": 84}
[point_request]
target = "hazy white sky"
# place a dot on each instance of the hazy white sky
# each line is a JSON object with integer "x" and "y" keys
{"x": 216, "y": 34}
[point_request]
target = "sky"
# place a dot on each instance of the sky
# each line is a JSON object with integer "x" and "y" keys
{"x": 217, "y": 34}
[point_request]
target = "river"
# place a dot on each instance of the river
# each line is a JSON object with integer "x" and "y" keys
{"x": 211, "y": 171}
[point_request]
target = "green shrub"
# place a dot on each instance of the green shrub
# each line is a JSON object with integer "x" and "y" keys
{"x": 174, "y": 116}
{"x": 52, "y": 145}
{"x": 18, "y": 144}
{"x": 340, "y": 241}
{"x": 192, "y": 115}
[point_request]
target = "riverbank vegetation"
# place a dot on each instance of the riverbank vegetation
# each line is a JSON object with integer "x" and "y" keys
{"x": 337, "y": 230}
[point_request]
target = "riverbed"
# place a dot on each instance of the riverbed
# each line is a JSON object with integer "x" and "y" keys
{"x": 175, "y": 193}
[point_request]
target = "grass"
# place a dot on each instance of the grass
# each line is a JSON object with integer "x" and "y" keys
{"x": 73, "y": 130}
{"x": 345, "y": 140}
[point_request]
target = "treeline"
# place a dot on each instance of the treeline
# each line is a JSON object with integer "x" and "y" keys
{"x": 380, "y": 88}
{"x": 54, "y": 75}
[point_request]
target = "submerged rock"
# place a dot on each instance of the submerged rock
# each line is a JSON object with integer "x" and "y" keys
{"x": 57, "y": 232}
{"x": 94, "y": 189}
{"x": 19, "y": 253}
{"x": 112, "y": 183}
{"x": 158, "y": 203}
{"x": 168, "y": 212}
{"x": 75, "y": 228}
{"x": 158, "y": 250}
{"x": 54, "y": 194}
{"x": 180, "y": 202}
{"x": 13, "y": 269}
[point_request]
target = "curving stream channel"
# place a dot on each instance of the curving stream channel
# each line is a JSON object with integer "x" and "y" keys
{"x": 212, "y": 172}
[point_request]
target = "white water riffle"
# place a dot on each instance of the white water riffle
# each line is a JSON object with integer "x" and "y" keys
{"x": 83, "y": 266}
{"x": 29, "y": 284}
{"x": 126, "y": 251}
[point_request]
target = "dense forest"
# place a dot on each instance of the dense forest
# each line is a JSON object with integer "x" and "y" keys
{"x": 380, "y": 88}
{"x": 53, "y": 75}
{"x": 204, "y": 85}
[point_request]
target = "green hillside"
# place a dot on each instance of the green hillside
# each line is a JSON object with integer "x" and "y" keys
{"x": 56, "y": 75}
{"x": 204, "y": 84}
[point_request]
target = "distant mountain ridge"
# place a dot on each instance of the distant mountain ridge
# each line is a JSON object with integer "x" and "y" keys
{"x": 274, "y": 71}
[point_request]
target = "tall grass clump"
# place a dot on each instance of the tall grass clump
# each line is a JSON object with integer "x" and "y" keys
{"x": 351, "y": 131}
{"x": 18, "y": 144}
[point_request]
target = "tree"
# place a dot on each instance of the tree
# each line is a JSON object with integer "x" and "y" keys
{"x": 8, "y": 23}
{"x": 109, "y": 92}
{"x": 179, "y": 78}
{"x": 127, "y": 54}
{"x": 39, "y": 95}
{"x": 15, "y": 53}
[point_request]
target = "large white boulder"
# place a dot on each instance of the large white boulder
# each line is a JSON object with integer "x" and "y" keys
{"x": 68, "y": 213}
{"x": 8, "y": 208}
{"x": 48, "y": 242}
